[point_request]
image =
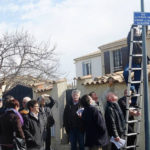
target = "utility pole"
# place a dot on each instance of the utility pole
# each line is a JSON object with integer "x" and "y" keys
{"x": 145, "y": 78}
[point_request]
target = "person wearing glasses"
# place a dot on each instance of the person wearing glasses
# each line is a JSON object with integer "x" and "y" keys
{"x": 34, "y": 127}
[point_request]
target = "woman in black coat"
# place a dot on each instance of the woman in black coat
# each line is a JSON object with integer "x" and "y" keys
{"x": 10, "y": 123}
{"x": 95, "y": 128}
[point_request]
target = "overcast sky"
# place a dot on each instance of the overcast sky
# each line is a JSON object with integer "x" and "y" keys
{"x": 77, "y": 27}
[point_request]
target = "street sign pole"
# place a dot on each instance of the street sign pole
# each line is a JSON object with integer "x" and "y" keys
{"x": 145, "y": 78}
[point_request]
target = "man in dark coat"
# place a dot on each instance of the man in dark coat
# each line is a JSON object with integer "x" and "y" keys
{"x": 132, "y": 113}
{"x": 73, "y": 123}
{"x": 95, "y": 128}
{"x": 45, "y": 110}
{"x": 34, "y": 127}
{"x": 114, "y": 118}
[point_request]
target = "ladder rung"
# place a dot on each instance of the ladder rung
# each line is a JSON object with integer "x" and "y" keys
{"x": 132, "y": 146}
{"x": 134, "y": 95}
{"x": 136, "y": 55}
{"x": 131, "y": 134}
{"x": 138, "y": 108}
{"x": 135, "y": 82}
{"x": 135, "y": 68}
{"x": 135, "y": 27}
{"x": 133, "y": 121}
{"x": 137, "y": 41}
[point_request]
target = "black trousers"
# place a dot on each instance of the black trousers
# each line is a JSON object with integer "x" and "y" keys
{"x": 48, "y": 139}
{"x": 6, "y": 148}
{"x": 113, "y": 147}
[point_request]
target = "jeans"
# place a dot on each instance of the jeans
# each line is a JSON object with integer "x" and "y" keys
{"x": 137, "y": 77}
{"x": 76, "y": 136}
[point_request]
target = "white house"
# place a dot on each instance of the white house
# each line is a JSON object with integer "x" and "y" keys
{"x": 89, "y": 65}
{"x": 111, "y": 57}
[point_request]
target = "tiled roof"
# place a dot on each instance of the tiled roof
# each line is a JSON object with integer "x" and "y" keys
{"x": 117, "y": 78}
{"x": 50, "y": 87}
{"x": 83, "y": 77}
{"x": 37, "y": 84}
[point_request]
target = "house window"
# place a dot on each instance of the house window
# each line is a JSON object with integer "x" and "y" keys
{"x": 86, "y": 68}
{"x": 117, "y": 58}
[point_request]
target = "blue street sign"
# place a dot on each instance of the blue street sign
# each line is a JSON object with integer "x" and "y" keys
{"x": 141, "y": 18}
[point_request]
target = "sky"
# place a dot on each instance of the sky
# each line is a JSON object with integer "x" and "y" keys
{"x": 76, "y": 27}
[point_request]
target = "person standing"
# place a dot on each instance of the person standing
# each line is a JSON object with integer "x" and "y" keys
{"x": 132, "y": 113}
{"x": 136, "y": 61}
{"x": 95, "y": 128}
{"x": 24, "y": 110}
{"x": 114, "y": 118}
{"x": 45, "y": 110}
{"x": 73, "y": 123}
{"x": 34, "y": 127}
{"x": 11, "y": 123}
{"x": 96, "y": 102}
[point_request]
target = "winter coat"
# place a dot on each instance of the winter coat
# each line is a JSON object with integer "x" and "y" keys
{"x": 122, "y": 104}
{"x": 71, "y": 119}
{"x": 10, "y": 123}
{"x": 34, "y": 131}
{"x": 95, "y": 127}
{"x": 47, "y": 116}
{"x": 114, "y": 120}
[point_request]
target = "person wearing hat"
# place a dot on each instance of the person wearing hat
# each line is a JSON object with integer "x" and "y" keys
{"x": 45, "y": 110}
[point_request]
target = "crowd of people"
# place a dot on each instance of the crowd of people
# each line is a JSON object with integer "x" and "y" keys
{"x": 87, "y": 123}
{"x": 27, "y": 127}
{"x": 91, "y": 126}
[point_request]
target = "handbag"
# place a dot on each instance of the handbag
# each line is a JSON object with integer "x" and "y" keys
{"x": 19, "y": 143}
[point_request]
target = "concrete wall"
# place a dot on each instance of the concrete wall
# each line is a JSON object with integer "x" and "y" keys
{"x": 101, "y": 91}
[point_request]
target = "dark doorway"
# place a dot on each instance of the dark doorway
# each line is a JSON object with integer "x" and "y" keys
{"x": 69, "y": 96}
{"x": 19, "y": 92}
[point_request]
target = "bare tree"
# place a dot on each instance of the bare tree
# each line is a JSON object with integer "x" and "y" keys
{"x": 22, "y": 55}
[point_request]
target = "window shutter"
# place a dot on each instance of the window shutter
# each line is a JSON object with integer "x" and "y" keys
{"x": 125, "y": 56}
{"x": 90, "y": 68}
{"x": 83, "y": 69}
{"x": 107, "y": 62}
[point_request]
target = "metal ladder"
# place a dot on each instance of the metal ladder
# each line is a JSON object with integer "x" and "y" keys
{"x": 139, "y": 95}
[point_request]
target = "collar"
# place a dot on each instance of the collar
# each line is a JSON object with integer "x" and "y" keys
{"x": 75, "y": 103}
{"x": 34, "y": 115}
